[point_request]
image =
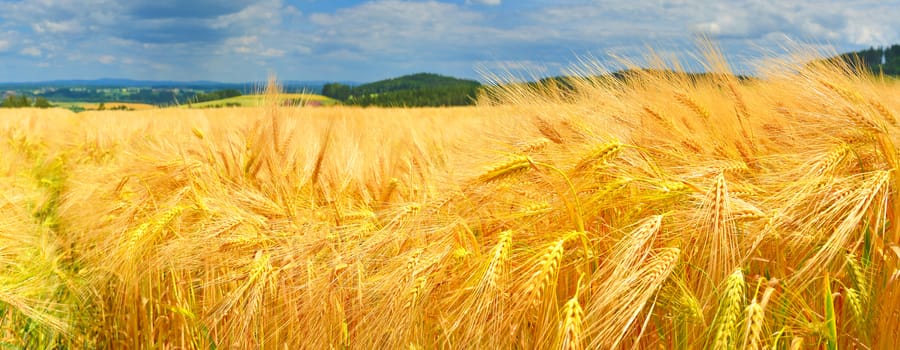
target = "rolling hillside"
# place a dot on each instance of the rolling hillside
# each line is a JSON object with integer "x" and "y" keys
{"x": 416, "y": 90}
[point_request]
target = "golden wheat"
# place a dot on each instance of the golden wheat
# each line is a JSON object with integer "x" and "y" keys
{"x": 631, "y": 211}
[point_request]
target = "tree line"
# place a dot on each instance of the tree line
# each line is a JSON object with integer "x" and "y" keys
{"x": 417, "y": 90}
{"x": 22, "y": 101}
{"x": 879, "y": 60}
{"x": 215, "y": 95}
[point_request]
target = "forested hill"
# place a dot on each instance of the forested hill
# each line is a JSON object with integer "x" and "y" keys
{"x": 416, "y": 90}
{"x": 872, "y": 58}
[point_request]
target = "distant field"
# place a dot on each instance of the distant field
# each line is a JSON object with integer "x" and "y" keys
{"x": 239, "y": 101}
{"x": 107, "y": 105}
{"x": 259, "y": 100}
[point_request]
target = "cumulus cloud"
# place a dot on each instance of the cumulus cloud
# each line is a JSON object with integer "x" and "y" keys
{"x": 835, "y": 22}
{"x": 250, "y": 45}
{"x": 177, "y": 36}
{"x": 270, "y": 52}
{"x": 349, "y": 38}
{"x": 31, "y": 51}
{"x": 866, "y": 22}
{"x": 391, "y": 28}
{"x": 164, "y": 9}
{"x": 107, "y": 59}
{"x": 484, "y": 2}
{"x": 526, "y": 67}
{"x": 148, "y": 21}
{"x": 57, "y": 27}
{"x": 242, "y": 44}
{"x": 256, "y": 15}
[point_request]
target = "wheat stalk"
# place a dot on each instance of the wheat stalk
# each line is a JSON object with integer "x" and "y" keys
{"x": 860, "y": 120}
{"x": 535, "y": 145}
{"x": 546, "y": 273}
{"x": 755, "y": 322}
{"x": 884, "y": 111}
{"x": 857, "y": 274}
{"x": 536, "y": 208}
{"x": 831, "y": 160}
{"x": 661, "y": 265}
{"x": 634, "y": 248}
{"x": 359, "y": 215}
{"x": 548, "y": 130}
{"x": 693, "y": 105}
{"x": 743, "y": 111}
{"x": 514, "y": 165}
{"x": 692, "y": 145}
{"x": 845, "y": 93}
{"x": 856, "y": 306}
{"x": 599, "y": 156}
{"x": 415, "y": 293}
{"x": 729, "y": 311}
{"x": 499, "y": 257}
{"x": 572, "y": 325}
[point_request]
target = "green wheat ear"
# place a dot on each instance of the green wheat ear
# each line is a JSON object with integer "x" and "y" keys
{"x": 730, "y": 309}
{"x": 830, "y": 317}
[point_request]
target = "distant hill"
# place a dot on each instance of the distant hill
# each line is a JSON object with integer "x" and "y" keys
{"x": 419, "y": 81}
{"x": 881, "y": 59}
{"x": 415, "y": 90}
{"x": 108, "y": 82}
{"x": 197, "y": 85}
{"x": 155, "y": 92}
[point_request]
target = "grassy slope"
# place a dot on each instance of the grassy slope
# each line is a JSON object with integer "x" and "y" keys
{"x": 259, "y": 100}
{"x": 95, "y": 105}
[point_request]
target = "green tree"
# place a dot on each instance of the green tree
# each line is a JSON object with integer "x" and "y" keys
{"x": 337, "y": 91}
{"x": 8, "y": 102}
{"x": 41, "y": 102}
{"x": 13, "y": 101}
{"x": 216, "y": 95}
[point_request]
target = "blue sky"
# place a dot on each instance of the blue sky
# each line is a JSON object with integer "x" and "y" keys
{"x": 245, "y": 40}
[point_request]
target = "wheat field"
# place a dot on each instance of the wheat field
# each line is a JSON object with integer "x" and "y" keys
{"x": 660, "y": 210}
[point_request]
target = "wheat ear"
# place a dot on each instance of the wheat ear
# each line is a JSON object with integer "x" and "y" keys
{"x": 514, "y": 165}
{"x": 729, "y": 311}
{"x": 693, "y": 105}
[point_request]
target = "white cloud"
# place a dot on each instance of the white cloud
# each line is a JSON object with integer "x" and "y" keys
{"x": 873, "y": 26}
{"x": 711, "y": 28}
{"x": 395, "y": 28}
{"x": 31, "y": 51}
{"x": 527, "y": 67}
{"x": 484, "y": 2}
{"x": 242, "y": 44}
{"x": 270, "y": 52}
{"x": 416, "y": 35}
{"x": 249, "y": 45}
{"x": 57, "y": 27}
{"x": 257, "y": 15}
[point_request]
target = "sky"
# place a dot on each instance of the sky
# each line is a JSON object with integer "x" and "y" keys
{"x": 356, "y": 40}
